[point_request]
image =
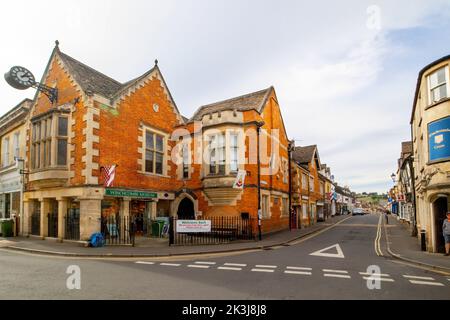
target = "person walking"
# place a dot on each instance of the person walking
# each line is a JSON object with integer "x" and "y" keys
{"x": 446, "y": 234}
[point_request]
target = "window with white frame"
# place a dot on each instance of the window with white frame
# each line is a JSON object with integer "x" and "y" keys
{"x": 234, "y": 152}
{"x": 437, "y": 83}
{"x": 217, "y": 154}
{"x": 5, "y": 152}
{"x": 265, "y": 206}
{"x": 16, "y": 144}
{"x": 311, "y": 184}
{"x": 304, "y": 182}
{"x": 154, "y": 152}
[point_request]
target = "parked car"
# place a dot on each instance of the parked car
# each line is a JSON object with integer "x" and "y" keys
{"x": 357, "y": 212}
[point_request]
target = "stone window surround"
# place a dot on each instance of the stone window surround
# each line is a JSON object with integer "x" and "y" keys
{"x": 141, "y": 150}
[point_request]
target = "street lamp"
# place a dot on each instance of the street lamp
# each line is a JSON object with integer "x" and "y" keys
{"x": 393, "y": 177}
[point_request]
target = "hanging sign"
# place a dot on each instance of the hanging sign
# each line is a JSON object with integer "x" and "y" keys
{"x": 240, "y": 179}
{"x": 439, "y": 139}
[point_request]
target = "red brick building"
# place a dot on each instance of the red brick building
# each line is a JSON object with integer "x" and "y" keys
{"x": 166, "y": 165}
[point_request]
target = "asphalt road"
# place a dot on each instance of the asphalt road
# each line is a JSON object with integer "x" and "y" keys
{"x": 289, "y": 272}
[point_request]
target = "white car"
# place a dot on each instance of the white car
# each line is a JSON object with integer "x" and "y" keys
{"x": 358, "y": 212}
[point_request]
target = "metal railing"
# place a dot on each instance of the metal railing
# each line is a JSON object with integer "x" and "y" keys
{"x": 52, "y": 223}
{"x": 223, "y": 230}
{"x": 118, "y": 230}
{"x": 72, "y": 226}
{"x": 36, "y": 223}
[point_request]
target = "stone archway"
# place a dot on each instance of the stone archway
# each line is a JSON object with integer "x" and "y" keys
{"x": 186, "y": 210}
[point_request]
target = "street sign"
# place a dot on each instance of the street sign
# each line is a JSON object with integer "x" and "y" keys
{"x": 186, "y": 226}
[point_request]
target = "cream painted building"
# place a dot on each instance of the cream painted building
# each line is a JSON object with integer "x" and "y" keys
{"x": 430, "y": 128}
{"x": 12, "y": 144}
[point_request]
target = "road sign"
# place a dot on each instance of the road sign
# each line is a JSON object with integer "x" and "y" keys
{"x": 322, "y": 253}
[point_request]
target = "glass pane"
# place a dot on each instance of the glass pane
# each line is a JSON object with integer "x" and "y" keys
{"x": 233, "y": 140}
{"x": 159, "y": 163}
{"x": 149, "y": 140}
{"x": 441, "y": 76}
{"x": 38, "y": 155}
{"x": 62, "y": 126}
{"x": 33, "y": 164}
{"x": 38, "y": 130}
{"x": 233, "y": 165}
{"x": 149, "y": 161}
{"x": 221, "y": 140}
{"x": 443, "y": 91}
{"x": 222, "y": 169}
{"x": 62, "y": 152}
{"x": 48, "y": 151}
{"x": 49, "y": 127}
{"x": 44, "y": 148}
{"x": 159, "y": 143}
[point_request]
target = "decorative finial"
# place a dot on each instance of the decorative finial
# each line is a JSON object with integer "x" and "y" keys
{"x": 57, "y": 43}
{"x": 156, "y": 62}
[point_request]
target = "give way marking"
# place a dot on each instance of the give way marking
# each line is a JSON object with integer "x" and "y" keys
{"x": 322, "y": 253}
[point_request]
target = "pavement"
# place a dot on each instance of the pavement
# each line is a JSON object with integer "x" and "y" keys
{"x": 403, "y": 246}
{"x": 346, "y": 260}
{"x": 159, "y": 248}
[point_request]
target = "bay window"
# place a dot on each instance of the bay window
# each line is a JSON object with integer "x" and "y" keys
{"x": 217, "y": 154}
{"x": 234, "y": 152}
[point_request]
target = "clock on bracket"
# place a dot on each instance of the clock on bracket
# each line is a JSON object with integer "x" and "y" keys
{"x": 20, "y": 78}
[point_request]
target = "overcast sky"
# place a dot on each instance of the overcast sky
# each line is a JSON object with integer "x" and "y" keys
{"x": 344, "y": 71}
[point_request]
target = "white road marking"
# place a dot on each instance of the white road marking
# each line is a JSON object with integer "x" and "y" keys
{"x": 235, "y": 264}
{"x": 336, "y": 275}
{"x": 306, "y": 273}
{"x": 230, "y": 268}
{"x": 299, "y": 268}
{"x": 321, "y": 253}
{"x": 420, "y": 278}
{"x": 427, "y": 283}
{"x": 374, "y": 274}
{"x": 265, "y": 266}
{"x": 205, "y": 262}
{"x": 379, "y": 279}
{"x": 198, "y": 266}
{"x": 170, "y": 264}
{"x": 262, "y": 270}
{"x": 335, "y": 271}
{"x": 144, "y": 262}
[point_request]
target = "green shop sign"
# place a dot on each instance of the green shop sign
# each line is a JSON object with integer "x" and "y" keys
{"x": 130, "y": 193}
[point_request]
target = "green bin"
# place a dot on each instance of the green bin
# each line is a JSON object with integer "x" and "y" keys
{"x": 7, "y": 227}
{"x": 156, "y": 229}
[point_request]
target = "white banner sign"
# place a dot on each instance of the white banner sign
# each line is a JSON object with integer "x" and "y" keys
{"x": 240, "y": 179}
{"x": 193, "y": 226}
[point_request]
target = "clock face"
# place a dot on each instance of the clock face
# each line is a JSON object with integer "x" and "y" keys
{"x": 20, "y": 78}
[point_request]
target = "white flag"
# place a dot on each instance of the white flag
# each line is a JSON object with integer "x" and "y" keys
{"x": 240, "y": 179}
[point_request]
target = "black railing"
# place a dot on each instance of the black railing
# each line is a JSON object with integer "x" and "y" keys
{"x": 118, "y": 230}
{"x": 223, "y": 230}
{"x": 52, "y": 223}
{"x": 72, "y": 225}
{"x": 36, "y": 223}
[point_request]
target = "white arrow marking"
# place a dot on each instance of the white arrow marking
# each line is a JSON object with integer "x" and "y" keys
{"x": 321, "y": 253}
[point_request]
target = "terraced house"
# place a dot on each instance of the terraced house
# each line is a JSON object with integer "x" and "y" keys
{"x": 165, "y": 165}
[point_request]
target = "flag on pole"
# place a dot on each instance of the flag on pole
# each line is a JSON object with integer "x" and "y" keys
{"x": 240, "y": 179}
{"x": 109, "y": 173}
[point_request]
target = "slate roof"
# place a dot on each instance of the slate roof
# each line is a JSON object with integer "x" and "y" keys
{"x": 303, "y": 154}
{"x": 252, "y": 101}
{"x": 90, "y": 79}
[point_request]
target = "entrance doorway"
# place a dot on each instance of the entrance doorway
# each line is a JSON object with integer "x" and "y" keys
{"x": 186, "y": 210}
{"x": 439, "y": 215}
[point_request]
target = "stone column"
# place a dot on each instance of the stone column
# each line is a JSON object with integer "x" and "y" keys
{"x": 90, "y": 216}
{"x": 26, "y": 223}
{"x": 62, "y": 211}
{"x": 124, "y": 216}
{"x": 45, "y": 210}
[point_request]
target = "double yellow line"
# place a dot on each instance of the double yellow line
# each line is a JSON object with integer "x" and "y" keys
{"x": 377, "y": 242}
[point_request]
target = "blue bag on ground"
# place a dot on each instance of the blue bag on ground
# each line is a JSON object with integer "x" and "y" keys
{"x": 97, "y": 240}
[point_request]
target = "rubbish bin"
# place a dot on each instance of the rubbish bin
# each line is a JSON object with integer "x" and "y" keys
{"x": 423, "y": 240}
{"x": 156, "y": 228}
{"x": 7, "y": 227}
